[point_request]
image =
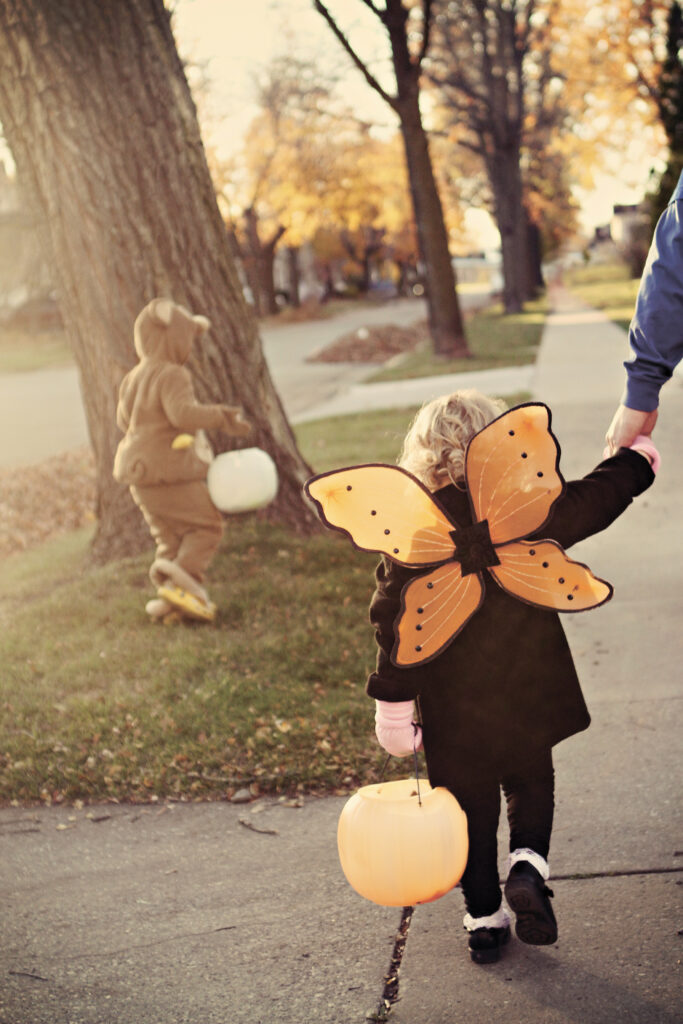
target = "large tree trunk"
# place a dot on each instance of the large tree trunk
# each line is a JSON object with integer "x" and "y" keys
{"x": 506, "y": 185}
{"x": 535, "y": 280}
{"x": 483, "y": 50}
{"x": 99, "y": 117}
{"x": 445, "y": 318}
{"x": 262, "y": 261}
{"x": 293, "y": 276}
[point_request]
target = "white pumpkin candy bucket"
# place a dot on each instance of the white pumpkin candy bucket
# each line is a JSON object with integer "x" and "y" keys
{"x": 242, "y": 480}
{"x": 401, "y": 843}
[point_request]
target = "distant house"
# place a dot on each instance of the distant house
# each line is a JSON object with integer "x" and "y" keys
{"x": 631, "y": 231}
{"x": 627, "y": 224}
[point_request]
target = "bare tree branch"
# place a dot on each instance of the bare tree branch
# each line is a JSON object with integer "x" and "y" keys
{"x": 369, "y": 77}
{"x": 426, "y": 28}
{"x": 275, "y": 237}
{"x": 375, "y": 10}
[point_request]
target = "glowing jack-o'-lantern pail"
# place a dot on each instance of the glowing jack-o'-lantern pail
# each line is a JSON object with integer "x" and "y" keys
{"x": 397, "y": 848}
{"x": 242, "y": 480}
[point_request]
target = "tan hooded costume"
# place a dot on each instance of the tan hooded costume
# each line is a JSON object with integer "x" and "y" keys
{"x": 167, "y": 472}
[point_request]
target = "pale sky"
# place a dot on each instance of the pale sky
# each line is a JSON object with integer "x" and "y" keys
{"x": 237, "y": 37}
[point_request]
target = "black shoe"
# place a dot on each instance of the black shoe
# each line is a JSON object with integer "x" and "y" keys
{"x": 485, "y": 944}
{"x": 529, "y": 897}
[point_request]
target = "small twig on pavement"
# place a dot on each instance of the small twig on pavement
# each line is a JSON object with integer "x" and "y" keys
{"x": 262, "y": 831}
{"x": 391, "y": 979}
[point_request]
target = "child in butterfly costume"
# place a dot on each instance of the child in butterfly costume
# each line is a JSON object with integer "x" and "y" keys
{"x": 476, "y": 641}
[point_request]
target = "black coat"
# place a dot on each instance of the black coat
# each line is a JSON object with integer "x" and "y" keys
{"x": 507, "y": 684}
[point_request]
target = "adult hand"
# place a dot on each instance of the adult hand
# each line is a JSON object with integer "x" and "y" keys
{"x": 626, "y": 425}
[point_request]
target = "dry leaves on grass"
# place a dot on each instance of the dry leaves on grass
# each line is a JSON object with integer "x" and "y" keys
{"x": 37, "y": 502}
{"x": 372, "y": 344}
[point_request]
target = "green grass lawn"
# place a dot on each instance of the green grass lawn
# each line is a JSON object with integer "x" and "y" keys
{"x": 99, "y": 704}
{"x": 608, "y": 287}
{"x": 493, "y": 339}
{"x": 21, "y": 350}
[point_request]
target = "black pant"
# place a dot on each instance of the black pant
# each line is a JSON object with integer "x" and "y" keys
{"x": 529, "y": 791}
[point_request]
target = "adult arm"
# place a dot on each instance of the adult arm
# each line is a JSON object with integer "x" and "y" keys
{"x": 656, "y": 331}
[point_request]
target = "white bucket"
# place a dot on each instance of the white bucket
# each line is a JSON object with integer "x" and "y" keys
{"x": 242, "y": 480}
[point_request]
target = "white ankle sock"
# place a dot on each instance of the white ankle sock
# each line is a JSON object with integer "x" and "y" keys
{"x": 533, "y": 858}
{"x": 501, "y": 919}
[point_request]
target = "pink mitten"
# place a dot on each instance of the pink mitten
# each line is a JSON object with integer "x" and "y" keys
{"x": 394, "y": 727}
{"x": 644, "y": 445}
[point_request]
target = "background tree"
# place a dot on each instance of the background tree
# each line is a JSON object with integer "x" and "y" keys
{"x": 669, "y": 100}
{"x": 641, "y": 72}
{"x": 311, "y": 171}
{"x": 289, "y": 94}
{"x": 278, "y": 188}
{"x": 368, "y": 204}
{"x": 383, "y": 165}
{"x": 98, "y": 115}
{"x": 496, "y": 68}
{"x": 408, "y": 32}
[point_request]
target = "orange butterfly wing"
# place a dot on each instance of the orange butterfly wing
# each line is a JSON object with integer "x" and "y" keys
{"x": 513, "y": 479}
{"x": 512, "y": 472}
{"x": 435, "y": 607}
{"x": 540, "y": 573}
{"x": 384, "y": 509}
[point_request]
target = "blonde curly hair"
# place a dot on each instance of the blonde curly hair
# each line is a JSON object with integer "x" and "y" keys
{"x": 435, "y": 445}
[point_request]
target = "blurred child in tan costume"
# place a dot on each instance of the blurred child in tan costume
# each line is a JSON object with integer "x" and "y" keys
{"x": 164, "y": 456}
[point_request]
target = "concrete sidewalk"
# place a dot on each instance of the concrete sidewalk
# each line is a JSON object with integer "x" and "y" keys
{"x": 224, "y": 914}
{"x": 396, "y": 394}
{"x": 618, "y": 816}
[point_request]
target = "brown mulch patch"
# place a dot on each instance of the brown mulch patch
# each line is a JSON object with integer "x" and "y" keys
{"x": 38, "y": 502}
{"x": 372, "y": 344}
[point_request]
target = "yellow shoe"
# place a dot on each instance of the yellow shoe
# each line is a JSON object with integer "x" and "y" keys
{"x": 187, "y": 602}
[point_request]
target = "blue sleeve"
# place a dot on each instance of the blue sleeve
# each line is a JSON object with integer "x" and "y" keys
{"x": 656, "y": 332}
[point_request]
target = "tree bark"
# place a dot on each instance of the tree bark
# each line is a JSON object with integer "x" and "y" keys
{"x": 293, "y": 276}
{"x": 483, "y": 47}
{"x": 535, "y": 280}
{"x": 445, "y": 318}
{"x": 506, "y": 186}
{"x": 98, "y": 115}
{"x": 262, "y": 261}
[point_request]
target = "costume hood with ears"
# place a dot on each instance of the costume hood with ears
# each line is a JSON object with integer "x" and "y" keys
{"x": 164, "y": 331}
{"x": 157, "y": 402}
